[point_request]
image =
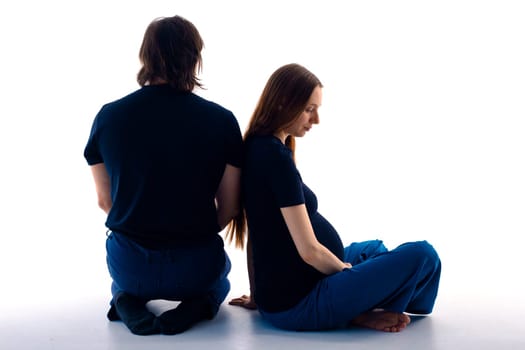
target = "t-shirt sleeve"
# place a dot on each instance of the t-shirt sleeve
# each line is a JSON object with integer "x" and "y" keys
{"x": 234, "y": 143}
{"x": 91, "y": 151}
{"x": 284, "y": 179}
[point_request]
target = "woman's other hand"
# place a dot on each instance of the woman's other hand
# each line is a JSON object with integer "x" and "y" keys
{"x": 245, "y": 301}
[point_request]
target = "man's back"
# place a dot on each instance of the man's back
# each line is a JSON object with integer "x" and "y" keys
{"x": 165, "y": 153}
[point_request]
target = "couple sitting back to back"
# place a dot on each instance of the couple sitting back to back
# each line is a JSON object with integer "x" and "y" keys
{"x": 172, "y": 170}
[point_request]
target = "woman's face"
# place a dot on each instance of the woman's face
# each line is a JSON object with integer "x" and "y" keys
{"x": 308, "y": 117}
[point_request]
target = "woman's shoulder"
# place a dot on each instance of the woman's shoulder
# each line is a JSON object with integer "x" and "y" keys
{"x": 268, "y": 144}
{"x": 266, "y": 149}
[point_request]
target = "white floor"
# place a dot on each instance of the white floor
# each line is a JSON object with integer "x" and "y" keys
{"x": 82, "y": 325}
{"x": 468, "y": 315}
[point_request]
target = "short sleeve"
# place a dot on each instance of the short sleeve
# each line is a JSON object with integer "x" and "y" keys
{"x": 284, "y": 179}
{"x": 91, "y": 151}
{"x": 234, "y": 143}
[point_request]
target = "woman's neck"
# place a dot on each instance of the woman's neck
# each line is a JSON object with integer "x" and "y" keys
{"x": 281, "y": 135}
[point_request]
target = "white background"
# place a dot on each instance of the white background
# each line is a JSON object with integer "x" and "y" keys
{"x": 421, "y": 135}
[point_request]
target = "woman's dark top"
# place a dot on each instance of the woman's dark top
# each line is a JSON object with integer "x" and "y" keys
{"x": 271, "y": 181}
{"x": 165, "y": 152}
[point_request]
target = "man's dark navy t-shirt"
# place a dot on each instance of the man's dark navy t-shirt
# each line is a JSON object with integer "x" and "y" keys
{"x": 165, "y": 152}
{"x": 271, "y": 181}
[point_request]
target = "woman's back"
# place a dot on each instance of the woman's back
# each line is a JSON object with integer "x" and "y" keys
{"x": 271, "y": 181}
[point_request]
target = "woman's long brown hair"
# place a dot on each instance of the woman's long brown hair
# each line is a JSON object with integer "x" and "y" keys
{"x": 282, "y": 101}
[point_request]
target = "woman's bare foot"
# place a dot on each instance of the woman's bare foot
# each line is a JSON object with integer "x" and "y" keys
{"x": 382, "y": 320}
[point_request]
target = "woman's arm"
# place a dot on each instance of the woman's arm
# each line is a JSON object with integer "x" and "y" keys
{"x": 247, "y": 301}
{"x": 251, "y": 271}
{"x": 103, "y": 186}
{"x": 227, "y": 197}
{"x": 309, "y": 248}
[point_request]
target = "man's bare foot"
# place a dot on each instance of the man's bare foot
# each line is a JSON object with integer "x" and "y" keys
{"x": 382, "y": 320}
